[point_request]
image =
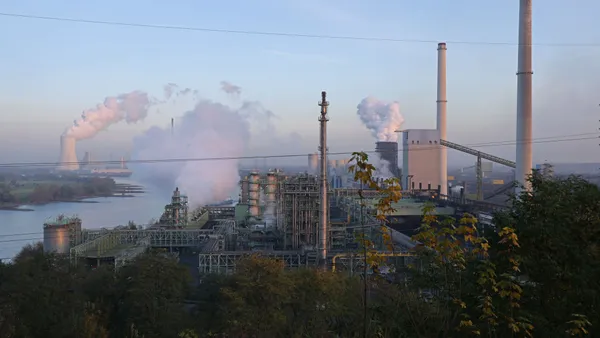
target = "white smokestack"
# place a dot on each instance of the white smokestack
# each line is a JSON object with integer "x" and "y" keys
{"x": 524, "y": 97}
{"x": 381, "y": 118}
{"x": 68, "y": 155}
{"x": 441, "y": 116}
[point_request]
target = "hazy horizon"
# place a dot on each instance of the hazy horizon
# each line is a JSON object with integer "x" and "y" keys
{"x": 55, "y": 70}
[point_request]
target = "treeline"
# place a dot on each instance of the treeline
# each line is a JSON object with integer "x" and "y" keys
{"x": 537, "y": 275}
{"x": 45, "y": 192}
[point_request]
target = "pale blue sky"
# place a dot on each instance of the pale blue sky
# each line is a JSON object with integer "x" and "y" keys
{"x": 50, "y": 71}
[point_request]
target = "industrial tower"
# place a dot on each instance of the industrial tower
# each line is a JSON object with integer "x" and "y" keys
{"x": 524, "y": 158}
{"x": 324, "y": 205}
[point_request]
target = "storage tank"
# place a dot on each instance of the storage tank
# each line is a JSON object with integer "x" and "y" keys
{"x": 56, "y": 239}
{"x": 61, "y": 234}
{"x": 254, "y": 194}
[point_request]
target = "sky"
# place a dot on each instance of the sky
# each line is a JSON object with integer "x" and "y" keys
{"x": 50, "y": 71}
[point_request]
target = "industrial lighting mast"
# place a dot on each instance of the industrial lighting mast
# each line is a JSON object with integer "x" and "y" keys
{"x": 324, "y": 205}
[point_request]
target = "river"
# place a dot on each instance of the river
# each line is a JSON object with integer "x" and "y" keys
{"x": 18, "y": 228}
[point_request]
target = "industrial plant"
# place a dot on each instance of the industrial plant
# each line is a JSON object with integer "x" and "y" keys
{"x": 69, "y": 163}
{"x": 312, "y": 218}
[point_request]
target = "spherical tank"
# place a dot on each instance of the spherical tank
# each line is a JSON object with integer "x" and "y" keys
{"x": 56, "y": 239}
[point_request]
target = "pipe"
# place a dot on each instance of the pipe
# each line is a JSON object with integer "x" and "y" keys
{"x": 524, "y": 98}
{"x": 324, "y": 207}
{"x": 441, "y": 116}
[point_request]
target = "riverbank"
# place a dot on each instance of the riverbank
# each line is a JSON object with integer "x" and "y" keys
{"x": 120, "y": 190}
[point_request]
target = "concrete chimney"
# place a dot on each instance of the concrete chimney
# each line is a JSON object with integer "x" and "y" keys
{"x": 441, "y": 116}
{"x": 524, "y": 158}
{"x": 68, "y": 155}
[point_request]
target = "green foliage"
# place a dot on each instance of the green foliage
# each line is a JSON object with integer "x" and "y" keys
{"x": 389, "y": 193}
{"x": 480, "y": 293}
{"x": 558, "y": 225}
{"x": 55, "y": 190}
{"x": 539, "y": 269}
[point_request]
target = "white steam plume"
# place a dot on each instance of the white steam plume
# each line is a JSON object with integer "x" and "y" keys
{"x": 382, "y": 168}
{"x": 230, "y": 88}
{"x": 209, "y": 130}
{"x": 381, "y": 118}
{"x": 131, "y": 107}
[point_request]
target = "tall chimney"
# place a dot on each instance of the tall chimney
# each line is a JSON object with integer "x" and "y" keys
{"x": 172, "y": 126}
{"x": 68, "y": 155}
{"x": 524, "y": 98}
{"x": 323, "y": 215}
{"x": 441, "y": 116}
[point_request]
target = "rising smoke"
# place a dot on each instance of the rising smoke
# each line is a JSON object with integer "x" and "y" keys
{"x": 381, "y": 118}
{"x": 130, "y": 107}
{"x": 209, "y": 130}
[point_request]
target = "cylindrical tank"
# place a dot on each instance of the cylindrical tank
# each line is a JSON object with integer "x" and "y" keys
{"x": 56, "y": 239}
{"x": 254, "y": 194}
{"x": 271, "y": 186}
{"x": 245, "y": 190}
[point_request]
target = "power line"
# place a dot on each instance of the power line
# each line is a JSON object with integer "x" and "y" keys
{"x": 283, "y": 34}
{"x": 176, "y": 160}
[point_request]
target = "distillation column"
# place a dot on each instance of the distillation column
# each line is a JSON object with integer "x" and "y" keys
{"x": 324, "y": 205}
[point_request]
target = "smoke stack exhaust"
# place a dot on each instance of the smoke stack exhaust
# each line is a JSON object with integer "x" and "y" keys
{"x": 441, "y": 116}
{"x": 524, "y": 156}
{"x": 68, "y": 155}
{"x": 324, "y": 200}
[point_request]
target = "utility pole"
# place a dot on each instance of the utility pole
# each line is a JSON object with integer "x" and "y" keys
{"x": 323, "y": 226}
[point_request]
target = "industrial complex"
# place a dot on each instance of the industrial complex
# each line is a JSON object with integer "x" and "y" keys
{"x": 312, "y": 218}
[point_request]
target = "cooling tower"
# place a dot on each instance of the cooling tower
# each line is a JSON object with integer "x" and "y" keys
{"x": 68, "y": 156}
{"x": 388, "y": 151}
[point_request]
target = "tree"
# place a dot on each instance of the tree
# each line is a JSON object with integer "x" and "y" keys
{"x": 390, "y": 193}
{"x": 558, "y": 225}
{"x": 150, "y": 293}
{"x": 42, "y": 296}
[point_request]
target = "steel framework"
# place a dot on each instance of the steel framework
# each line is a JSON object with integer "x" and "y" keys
{"x": 156, "y": 237}
{"x": 300, "y": 200}
{"x": 225, "y": 262}
{"x": 354, "y": 261}
{"x": 480, "y": 155}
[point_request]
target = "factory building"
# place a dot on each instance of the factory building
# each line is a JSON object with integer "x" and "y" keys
{"x": 421, "y": 159}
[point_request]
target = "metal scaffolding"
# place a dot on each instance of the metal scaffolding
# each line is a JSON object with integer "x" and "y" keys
{"x": 176, "y": 213}
{"x": 225, "y": 262}
{"x": 300, "y": 200}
